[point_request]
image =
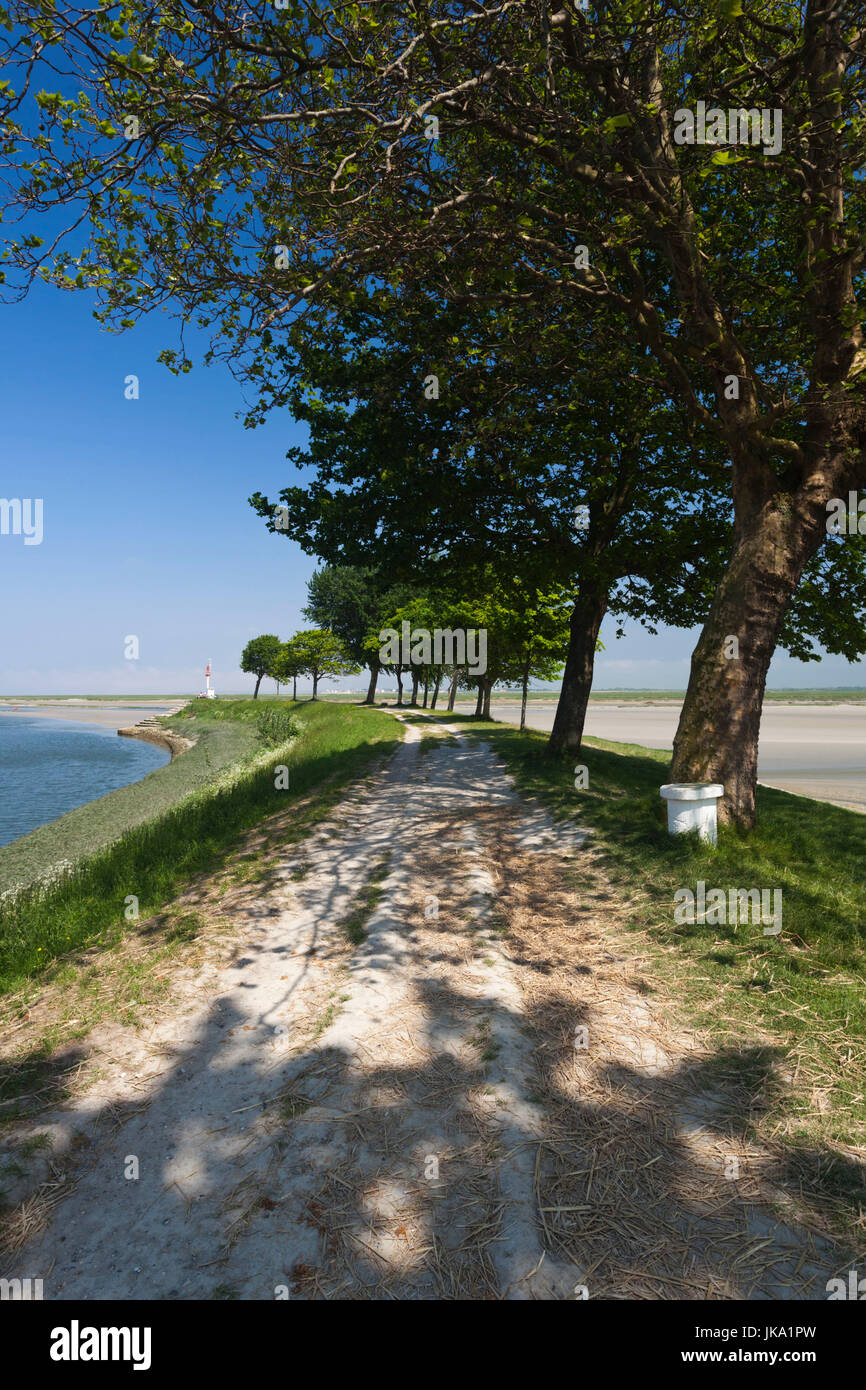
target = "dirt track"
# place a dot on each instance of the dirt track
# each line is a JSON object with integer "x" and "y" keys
{"x": 421, "y": 1115}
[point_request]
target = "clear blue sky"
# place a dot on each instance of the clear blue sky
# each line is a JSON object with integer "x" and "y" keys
{"x": 147, "y": 530}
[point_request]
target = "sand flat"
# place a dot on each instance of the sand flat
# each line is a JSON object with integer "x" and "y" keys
{"x": 118, "y": 714}
{"x": 817, "y": 751}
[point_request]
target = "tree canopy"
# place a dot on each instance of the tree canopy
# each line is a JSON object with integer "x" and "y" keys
{"x": 260, "y": 657}
{"x": 693, "y": 174}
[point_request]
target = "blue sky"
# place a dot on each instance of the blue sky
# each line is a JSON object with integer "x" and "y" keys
{"x": 147, "y": 530}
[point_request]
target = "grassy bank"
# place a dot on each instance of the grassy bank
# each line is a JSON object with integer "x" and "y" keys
{"x": 785, "y": 1015}
{"x": 152, "y": 861}
{"x": 98, "y": 824}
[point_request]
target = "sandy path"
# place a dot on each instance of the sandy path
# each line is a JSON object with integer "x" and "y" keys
{"x": 411, "y": 1117}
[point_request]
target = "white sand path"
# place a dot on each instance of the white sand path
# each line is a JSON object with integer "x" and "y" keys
{"x": 316, "y": 1121}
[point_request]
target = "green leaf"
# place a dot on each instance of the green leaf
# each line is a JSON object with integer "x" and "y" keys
{"x": 140, "y": 62}
{"x": 724, "y": 158}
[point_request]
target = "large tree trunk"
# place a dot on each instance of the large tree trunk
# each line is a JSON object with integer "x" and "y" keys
{"x": 370, "y": 697}
{"x": 256, "y": 691}
{"x": 487, "y": 686}
{"x": 479, "y": 703}
{"x": 414, "y": 701}
{"x": 452, "y": 693}
{"x": 315, "y": 684}
{"x": 426, "y": 691}
{"x": 586, "y": 620}
{"x": 294, "y": 687}
{"x": 779, "y": 502}
{"x": 717, "y": 736}
{"x": 399, "y": 673}
{"x": 523, "y": 694}
{"x": 436, "y": 684}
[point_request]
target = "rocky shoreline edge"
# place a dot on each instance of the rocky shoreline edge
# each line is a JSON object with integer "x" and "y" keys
{"x": 150, "y": 732}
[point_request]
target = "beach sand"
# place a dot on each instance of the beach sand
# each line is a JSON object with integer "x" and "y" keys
{"x": 817, "y": 751}
{"x": 118, "y": 714}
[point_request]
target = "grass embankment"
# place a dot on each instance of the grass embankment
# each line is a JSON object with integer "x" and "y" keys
{"x": 41, "y": 925}
{"x": 785, "y": 1015}
{"x": 97, "y": 824}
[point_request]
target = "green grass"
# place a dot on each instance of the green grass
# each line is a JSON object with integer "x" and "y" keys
{"x": 354, "y": 925}
{"x": 275, "y": 726}
{"x": 97, "y": 824}
{"x": 802, "y": 993}
{"x": 154, "y": 861}
{"x": 293, "y": 1104}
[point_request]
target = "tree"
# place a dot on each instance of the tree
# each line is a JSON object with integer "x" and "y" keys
{"x": 517, "y": 631}
{"x": 738, "y": 269}
{"x": 321, "y": 655}
{"x": 538, "y": 636}
{"x": 527, "y": 635}
{"x": 259, "y": 657}
{"x": 742, "y": 238}
{"x": 288, "y": 665}
{"x": 536, "y": 419}
{"x": 347, "y": 600}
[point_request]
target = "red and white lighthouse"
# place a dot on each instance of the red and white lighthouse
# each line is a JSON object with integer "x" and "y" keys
{"x": 209, "y": 693}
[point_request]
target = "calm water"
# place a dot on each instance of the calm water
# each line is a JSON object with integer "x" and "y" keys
{"x": 50, "y": 766}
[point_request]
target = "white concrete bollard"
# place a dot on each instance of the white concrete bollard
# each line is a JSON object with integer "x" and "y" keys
{"x": 692, "y": 806}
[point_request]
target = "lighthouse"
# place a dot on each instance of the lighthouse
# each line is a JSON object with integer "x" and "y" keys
{"x": 209, "y": 692}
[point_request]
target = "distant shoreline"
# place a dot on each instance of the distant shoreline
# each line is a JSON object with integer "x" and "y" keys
{"x": 100, "y": 709}
{"x": 105, "y": 715}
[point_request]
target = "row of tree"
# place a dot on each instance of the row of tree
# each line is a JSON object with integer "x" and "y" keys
{"x": 506, "y": 634}
{"x": 465, "y": 243}
{"x": 315, "y": 653}
{"x": 510, "y": 635}
{"x": 526, "y": 629}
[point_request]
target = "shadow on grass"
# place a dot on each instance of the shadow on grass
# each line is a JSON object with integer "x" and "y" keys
{"x": 803, "y": 986}
{"x": 812, "y": 850}
{"x": 37, "y": 1076}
